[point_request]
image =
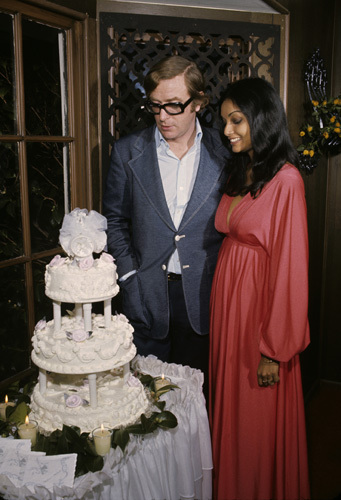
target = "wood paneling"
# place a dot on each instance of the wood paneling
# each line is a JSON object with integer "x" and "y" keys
{"x": 331, "y": 311}
{"x": 311, "y": 27}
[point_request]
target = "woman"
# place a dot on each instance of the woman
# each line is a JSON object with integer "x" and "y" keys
{"x": 259, "y": 306}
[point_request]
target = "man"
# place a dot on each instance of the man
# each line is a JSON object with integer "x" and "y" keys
{"x": 163, "y": 188}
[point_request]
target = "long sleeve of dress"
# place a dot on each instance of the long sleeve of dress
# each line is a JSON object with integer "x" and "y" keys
{"x": 285, "y": 330}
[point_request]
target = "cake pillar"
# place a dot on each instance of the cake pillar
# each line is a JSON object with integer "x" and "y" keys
{"x": 107, "y": 313}
{"x": 93, "y": 390}
{"x": 57, "y": 315}
{"x": 42, "y": 381}
{"x": 87, "y": 317}
{"x": 126, "y": 372}
{"x": 78, "y": 311}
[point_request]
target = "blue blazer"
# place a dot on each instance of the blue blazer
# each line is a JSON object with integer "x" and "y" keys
{"x": 142, "y": 236}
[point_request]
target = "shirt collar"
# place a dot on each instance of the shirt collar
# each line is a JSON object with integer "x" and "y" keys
{"x": 161, "y": 141}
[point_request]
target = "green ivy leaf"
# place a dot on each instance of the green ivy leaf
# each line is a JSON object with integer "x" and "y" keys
{"x": 121, "y": 438}
{"x": 135, "y": 429}
{"x": 86, "y": 463}
{"x": 146, "y": 380}
{"x": 19, "y": 413}
{"x": 165, "y": 389}
{"x": 167, "y": 420}
{"x": 160, "y": 405}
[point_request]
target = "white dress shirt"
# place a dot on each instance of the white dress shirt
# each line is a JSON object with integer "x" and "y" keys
{"x": 178, "y": 177}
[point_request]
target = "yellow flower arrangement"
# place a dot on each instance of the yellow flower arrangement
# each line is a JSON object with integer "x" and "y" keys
{"x": 321, "y": 135}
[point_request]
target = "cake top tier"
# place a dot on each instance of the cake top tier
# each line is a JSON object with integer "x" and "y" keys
{"x": 83, "y": 233}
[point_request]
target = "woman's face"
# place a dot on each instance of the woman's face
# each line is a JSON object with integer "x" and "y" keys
{"x": 236, "y": 128}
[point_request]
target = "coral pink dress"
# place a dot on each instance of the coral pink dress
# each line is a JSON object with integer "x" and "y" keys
{"x": 259, "y": 304}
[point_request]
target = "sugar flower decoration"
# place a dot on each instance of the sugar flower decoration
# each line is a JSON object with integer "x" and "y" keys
{"x": 106, "y": 257}
{"x": 78, "y": 335}
{"x": 86, "y": 263}
{"x": 57, "y": 261}
{"x": 74, "y": 401}
{"x": 40, "y": 325}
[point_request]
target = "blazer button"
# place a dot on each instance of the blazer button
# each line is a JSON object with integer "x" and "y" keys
{"x": 179, "y": 236}
{"x": 163, "y": 267}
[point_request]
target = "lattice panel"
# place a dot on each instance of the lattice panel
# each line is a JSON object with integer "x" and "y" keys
{"x": 131, "y": 44}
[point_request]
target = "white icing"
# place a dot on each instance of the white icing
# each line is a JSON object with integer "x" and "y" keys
{"x": 105, "y": 349}
{"x": 72, "y": 284}
{"x": 118, "y": 404}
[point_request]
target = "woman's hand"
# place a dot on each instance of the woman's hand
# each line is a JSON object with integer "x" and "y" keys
{"x": 268, "y": 372}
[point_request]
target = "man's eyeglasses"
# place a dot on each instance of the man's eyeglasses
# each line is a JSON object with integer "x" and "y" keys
{"x": 171, "y": 108}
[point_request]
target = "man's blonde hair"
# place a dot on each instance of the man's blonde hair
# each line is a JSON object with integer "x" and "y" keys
{"x": 173, "y": 66}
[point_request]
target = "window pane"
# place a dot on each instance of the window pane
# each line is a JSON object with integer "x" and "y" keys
{"x": 7, "y": 81}
{"x": 44, "y": 79}
{"x": 11, "y": 242}
{"x": 14, "y": 340}
{"x": 47, "y": 165}
{"x": 42, "y": 304}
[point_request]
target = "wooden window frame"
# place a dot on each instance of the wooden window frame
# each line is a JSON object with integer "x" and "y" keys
{"x": 82, "y": 135}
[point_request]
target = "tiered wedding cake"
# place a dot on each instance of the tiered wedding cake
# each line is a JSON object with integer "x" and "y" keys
{"x": 84, "y": 358}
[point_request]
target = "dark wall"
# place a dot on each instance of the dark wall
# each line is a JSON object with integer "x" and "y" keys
{"x": 331, "y": 311}
{"x": 85, "y": 6}
{"x": 311, "y": 27}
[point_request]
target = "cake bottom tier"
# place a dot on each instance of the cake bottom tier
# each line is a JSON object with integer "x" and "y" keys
{"x": 118, "y": 403}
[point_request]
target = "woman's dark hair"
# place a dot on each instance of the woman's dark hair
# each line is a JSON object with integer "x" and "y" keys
{"x": 270, "y": 139}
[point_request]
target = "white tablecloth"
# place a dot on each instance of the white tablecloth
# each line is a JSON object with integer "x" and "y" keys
{"x": 174, "y": 464}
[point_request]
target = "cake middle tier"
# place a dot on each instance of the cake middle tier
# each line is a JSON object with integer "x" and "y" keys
{"x": 71, "y": 350}
{"x": 66, "y": 401}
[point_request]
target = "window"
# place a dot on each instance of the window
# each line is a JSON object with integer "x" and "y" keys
{"x": 44, "y": 171}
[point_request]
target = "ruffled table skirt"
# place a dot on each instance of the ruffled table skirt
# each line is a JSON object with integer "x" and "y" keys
{"x": 174, "y": 464}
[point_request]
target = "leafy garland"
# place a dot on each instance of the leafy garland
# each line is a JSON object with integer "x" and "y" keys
{"x": 71, "y": 440}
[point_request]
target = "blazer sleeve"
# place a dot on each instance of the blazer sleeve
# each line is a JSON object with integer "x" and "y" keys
{"x": 117, "y": 209}
{"x": 117, "y": 205}
{"x": 285, "y": 330}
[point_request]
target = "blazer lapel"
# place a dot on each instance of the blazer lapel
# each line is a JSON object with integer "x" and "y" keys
{"x": 146, "y": 170}
{"x": 210, "y": 168}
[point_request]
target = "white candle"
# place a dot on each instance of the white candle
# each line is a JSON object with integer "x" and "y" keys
{"x": 28, "y": 430}
{"x": 102, "y": 440}
{"x": 161, "y": 382}
{"x": 3, "y": 407}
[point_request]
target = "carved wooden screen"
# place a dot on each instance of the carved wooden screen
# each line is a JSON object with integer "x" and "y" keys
{"x": 131, "y": 44}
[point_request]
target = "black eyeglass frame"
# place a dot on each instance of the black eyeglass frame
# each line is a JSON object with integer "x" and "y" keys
{"x": 183, "y": 106}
